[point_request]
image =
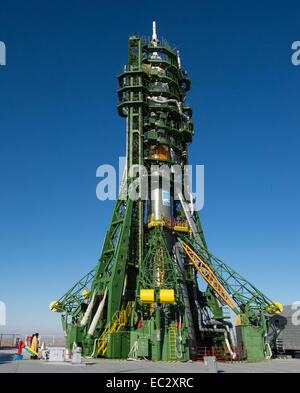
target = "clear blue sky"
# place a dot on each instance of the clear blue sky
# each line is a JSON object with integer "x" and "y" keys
{"x": 58, "y": 123}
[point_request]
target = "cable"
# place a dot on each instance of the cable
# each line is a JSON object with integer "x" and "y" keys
{"x": 133, "y": 350}
{"x": 92, "y": 355}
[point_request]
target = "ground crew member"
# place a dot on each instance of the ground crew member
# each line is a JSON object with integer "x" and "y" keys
{"x": 35, "y": 344}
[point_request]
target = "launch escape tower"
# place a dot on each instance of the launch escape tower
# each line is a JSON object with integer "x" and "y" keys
{"x": 143, "y": 298}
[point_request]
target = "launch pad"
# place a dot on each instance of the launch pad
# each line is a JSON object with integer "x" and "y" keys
{"x": 143, "y": 301}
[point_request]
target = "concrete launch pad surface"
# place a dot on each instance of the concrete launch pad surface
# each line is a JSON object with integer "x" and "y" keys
{"x": 8, "y": 365}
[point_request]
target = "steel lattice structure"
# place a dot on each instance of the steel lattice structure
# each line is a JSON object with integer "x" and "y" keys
{"x": 143, "y": 295}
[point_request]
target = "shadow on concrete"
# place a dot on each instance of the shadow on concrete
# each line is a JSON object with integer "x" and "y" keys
{"x": 6, "y": 357}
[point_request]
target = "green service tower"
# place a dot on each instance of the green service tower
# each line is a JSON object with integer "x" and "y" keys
{"x": 143, "y": 299}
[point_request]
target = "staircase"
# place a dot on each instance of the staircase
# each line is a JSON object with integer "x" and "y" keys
{"x": 172, "y": 342}
{"x": 208, "y": 275}
{"x": 119, "y": 319}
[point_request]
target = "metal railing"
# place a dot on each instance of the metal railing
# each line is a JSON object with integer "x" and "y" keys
{"x": 178, "y": 224}
{"x": 9, "y": 340}
{"x": 222, "y": 354}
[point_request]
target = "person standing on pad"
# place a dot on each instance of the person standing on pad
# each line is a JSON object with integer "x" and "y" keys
{"x": 34, "y": 345}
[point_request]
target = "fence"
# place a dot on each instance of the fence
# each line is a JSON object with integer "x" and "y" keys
{"x": 54, "y": 341}
{"x": 9, "y": 340}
